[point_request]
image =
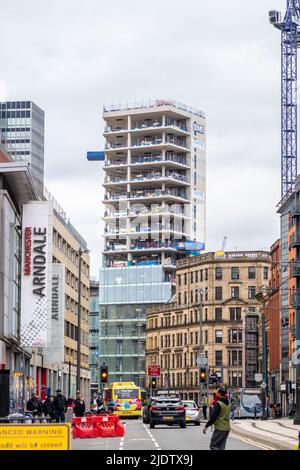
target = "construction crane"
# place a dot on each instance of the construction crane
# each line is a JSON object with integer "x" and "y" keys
{"x": 289, "y": 27}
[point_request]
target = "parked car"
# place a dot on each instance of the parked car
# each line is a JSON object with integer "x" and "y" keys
{"x": 164, "y": 410}
{"x": 192, "y": 412}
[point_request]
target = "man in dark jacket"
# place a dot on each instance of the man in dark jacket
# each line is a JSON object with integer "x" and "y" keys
{"x": 220, "y": 418}
{"x": 60, "y": 404}
{"x": 35, "y": 405}
{"x": 49, "y": 407}
{"x": 79, "y": 407}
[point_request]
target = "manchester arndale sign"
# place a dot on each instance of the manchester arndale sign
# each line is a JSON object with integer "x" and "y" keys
{"x": 54, "y": 353}
{"x": 36, "y": 274}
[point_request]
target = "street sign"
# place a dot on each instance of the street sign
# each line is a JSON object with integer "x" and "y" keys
{"x": 35, "y": 436}
{"x": 258, "y": 378}
{"x": 153, "y": 371}
{"x": 202, "y": 361}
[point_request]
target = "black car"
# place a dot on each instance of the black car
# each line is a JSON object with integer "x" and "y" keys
{"x": 164, "y": 410}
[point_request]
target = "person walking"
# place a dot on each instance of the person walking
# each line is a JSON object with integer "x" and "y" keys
{"x": 220, "y": 418}
{"x": 232, "y": 408}
{"x": 60, "y": 404}
{"x": 35, "y": 406}
{"x": 79, "y": 407}
{"x": 49, "y": 408}
{"x": 204, "y": 406}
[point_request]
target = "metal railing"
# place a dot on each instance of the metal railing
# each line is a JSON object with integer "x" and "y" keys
{"x": 153, "y": 104}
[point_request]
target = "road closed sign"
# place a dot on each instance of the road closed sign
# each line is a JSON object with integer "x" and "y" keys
{"x": 153, "y": 371}
{"x": 35, "y": 436}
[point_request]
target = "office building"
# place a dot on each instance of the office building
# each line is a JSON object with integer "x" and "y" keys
{"x": 22, "y": 134}
{"x": 154, "y": 200}
{"x": 225, "y": 286}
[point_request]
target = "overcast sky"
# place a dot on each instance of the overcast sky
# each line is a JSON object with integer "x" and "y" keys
{"x": 222, "y": 57}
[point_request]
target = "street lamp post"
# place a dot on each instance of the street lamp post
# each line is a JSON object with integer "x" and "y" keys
{"x": 80, "y": 253}
{"x": 263, "y": 299}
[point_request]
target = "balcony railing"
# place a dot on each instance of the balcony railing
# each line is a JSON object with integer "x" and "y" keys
{"x": 295, "y": 239}
{"x": 115, "y": 145}
{"x": 138, "y": 159}
{"x": 296, "y": 268}
{"x": 115, "y": 129}
{"x": 115, "y": 180}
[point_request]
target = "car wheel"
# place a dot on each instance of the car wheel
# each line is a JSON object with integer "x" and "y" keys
{"x": 197, "y": 423}
{"x": 183, "y": 425}
{"x": 152, "y": 425}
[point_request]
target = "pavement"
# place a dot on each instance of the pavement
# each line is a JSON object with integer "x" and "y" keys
{"x": 278, "y": 434}
{"x": 139, "y": 436}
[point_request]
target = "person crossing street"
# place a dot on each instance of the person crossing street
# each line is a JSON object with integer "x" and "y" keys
{"x": 220, "y": 418}
{"x": 60, "y": 405}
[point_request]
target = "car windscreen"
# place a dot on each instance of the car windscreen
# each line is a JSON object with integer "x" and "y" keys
{"x": 189, "y": 404}
{"x": 166, "y": 402}
{"x": 251, "y": 399}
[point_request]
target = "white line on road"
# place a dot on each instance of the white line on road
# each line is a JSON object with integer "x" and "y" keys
{"x": 151, "y": 436}
{"x": 249, "y": 441}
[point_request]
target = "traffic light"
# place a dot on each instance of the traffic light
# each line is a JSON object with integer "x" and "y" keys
{"x": 153, "y": 382}
{"x": 104, "y": 374}
{"x": 203, "y": 375}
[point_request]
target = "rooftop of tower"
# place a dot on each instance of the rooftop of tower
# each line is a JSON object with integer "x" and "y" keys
{"x": 152, "y": 104}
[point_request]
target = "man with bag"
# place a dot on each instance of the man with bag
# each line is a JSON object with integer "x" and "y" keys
{"x": 60, "y": 405}
{"x": 220, "y": 418}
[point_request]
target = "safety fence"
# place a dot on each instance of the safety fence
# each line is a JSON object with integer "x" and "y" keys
{"x": 89, "y": 427}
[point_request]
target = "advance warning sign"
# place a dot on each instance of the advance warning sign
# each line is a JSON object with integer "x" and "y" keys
{"x": 35, "y": 436}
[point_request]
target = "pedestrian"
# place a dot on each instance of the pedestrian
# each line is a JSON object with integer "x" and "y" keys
{"x": 220, "y": 418}
{"x": 204, "y": 406}
{"x": 232, "y": 408}
{"x": 79, "y": 407}
{"x": 35, "y": 405}
{"x": 60, "y": 404}
{"x": 49, "y": 408}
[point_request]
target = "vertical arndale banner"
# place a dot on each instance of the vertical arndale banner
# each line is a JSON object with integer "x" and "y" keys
{"x": 36, "y": 273}
{"x": 54, "y": 353}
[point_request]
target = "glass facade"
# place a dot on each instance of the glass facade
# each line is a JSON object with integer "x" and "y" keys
{"x": 22, "y": 134}
{"x": 123, "y": 340}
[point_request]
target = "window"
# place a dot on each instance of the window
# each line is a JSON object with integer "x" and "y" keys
{"x": 206, "y": 274}
{"x": 179, "y": 280}
{"x": 206, "y": 293}
{"x": 185, "y": 298}
{"x": 235, "y": 336}
{"x": 235, "y": 292}
{"x": 218, "y": 293}
{"x": 206, "y": 336}
{"x": 192, "y": 277}
{"x": 219, "y": 336}
{"x": 197, "y": 276}
{"x": 218, "y": 314}
{"x": 252, "y": 272}
{"x": 179, "y": 298}
{"x": 235, "y": 313}
{"x": 266, "y": 274}
{"x": 219, "y": 274}
{"x": 235, "y": 273}
{"x": 185, "y": 279}
{"x": 192, "y": 297}
{"x": 201, "y": 275}
{"x": 251, "y": 292}
{"x": 219, "y": 358}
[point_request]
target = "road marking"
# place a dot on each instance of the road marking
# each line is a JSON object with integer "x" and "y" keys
{"x": 249, "y": 441}
{"x": 152, "y": 438}
{"x": 122, "y": 444}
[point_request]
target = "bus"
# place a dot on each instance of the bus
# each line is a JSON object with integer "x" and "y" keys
{"x": 127, "y": 397}
{"x": 248, "y": 402}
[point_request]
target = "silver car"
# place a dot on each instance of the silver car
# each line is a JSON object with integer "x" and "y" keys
{"x": 192, "y": 412}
